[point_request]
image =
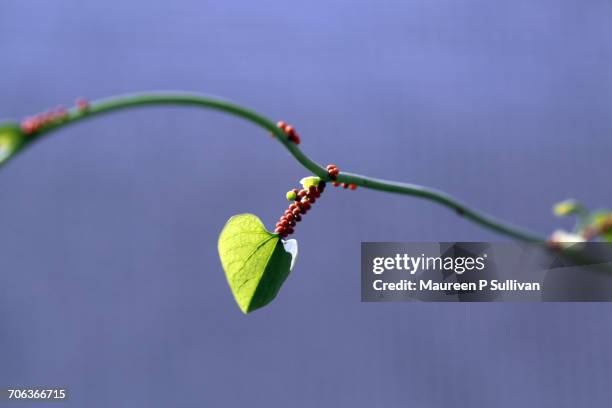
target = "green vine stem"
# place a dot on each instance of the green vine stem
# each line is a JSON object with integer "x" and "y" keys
{"x": 145, "y": 99}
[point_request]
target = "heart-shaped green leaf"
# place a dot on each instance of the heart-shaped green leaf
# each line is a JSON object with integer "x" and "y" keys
{"x": 256, "y": 262}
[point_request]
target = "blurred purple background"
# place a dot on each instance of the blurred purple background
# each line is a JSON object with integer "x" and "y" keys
{"x": 110, "y": 281}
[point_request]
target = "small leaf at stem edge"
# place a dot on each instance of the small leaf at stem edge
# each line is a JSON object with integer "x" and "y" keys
{"x": 310, "y": 181}
{"x": 598, "y": 219}
{"x": 11, "y": 140}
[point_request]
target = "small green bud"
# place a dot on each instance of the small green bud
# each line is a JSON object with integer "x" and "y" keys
{"x": 307, "y": 182}
{"x": 291, "y": 195}
{"x": 565, "y": 208}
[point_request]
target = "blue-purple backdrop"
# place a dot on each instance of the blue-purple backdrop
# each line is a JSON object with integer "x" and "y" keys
{"x": 110, "y": 282}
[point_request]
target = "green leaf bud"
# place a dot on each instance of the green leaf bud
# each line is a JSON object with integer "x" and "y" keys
{"x": 310, "y": 181}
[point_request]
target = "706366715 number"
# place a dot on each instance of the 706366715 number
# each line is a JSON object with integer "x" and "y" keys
{"x": 36, "y": 394}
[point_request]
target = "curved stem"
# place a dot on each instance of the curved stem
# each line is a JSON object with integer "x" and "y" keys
{"x": 137, "y": 100}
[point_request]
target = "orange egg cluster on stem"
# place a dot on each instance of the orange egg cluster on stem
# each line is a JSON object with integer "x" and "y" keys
{"x": 37, "y": 122}
{"x": 41, "y": 121}
{"x": 290, "y": 131}
{"x": 302, "y": 203}
{"x": 333, "y": 172}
